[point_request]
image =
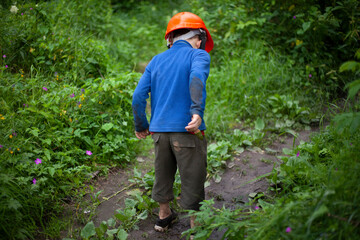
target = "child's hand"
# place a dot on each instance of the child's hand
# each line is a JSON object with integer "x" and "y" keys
{"x": 194, "y": 124}
{"x": 143, "y": 134}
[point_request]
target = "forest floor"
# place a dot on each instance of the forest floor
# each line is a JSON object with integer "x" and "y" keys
{"x": 234, "y": 188}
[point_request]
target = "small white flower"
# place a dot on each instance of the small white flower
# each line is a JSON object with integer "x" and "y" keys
{"x": 14, "y": 9}
{"x": 44, "y": 37}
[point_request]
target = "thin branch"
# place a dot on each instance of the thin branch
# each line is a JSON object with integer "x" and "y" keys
{"x": 125, "y": 188}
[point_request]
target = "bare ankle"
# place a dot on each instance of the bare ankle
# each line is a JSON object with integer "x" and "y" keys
{"x": 164, "y": 210}
{"x": 163, "y": 215}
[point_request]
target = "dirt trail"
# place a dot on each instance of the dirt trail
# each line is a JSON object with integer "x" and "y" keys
{"x": 230, "y": 191}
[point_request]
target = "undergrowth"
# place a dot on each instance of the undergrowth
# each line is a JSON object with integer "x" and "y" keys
{"x": 67, "y": 73}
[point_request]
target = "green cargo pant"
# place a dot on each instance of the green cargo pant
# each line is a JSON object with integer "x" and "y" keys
{"x": 188, "y": 152}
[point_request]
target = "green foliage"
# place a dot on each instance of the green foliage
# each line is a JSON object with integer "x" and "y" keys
{"x": 318, "y": 183}
{"x": 106, "y": 230}
{"x": 52, "y": 37}
{"x": 218, "y": 153}
{"x": 316, "y": 196}
{"x": 57, "y": 105}
{"x": 350, "y": 121}
{"x": 313, "y": 33}
{"x": 210, "y": 219}
{"x": 259, "y": 84}
{"x": 66, "y": 86}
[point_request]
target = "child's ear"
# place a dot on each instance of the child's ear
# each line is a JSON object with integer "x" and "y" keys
{"x": 198, "y": 44}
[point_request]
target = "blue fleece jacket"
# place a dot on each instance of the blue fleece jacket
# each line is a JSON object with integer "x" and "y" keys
{"x": 176, "y": 80}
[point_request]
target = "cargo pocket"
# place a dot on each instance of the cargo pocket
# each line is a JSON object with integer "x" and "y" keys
{"x": 155, "y": 137}
{"x": 182, "y": 141}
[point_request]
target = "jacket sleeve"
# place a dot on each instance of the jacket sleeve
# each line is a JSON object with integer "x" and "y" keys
{"x": 199, "y": 73}
{"x": 141, "y": 93}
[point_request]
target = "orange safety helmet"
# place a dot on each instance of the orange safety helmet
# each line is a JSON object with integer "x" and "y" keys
{"x": 189, "y": 20}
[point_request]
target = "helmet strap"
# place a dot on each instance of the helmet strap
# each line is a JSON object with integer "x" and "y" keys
{"x": 203, "y": 39}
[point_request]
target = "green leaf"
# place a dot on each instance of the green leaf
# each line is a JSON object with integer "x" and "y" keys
{"x": 349, "y": 65}
{"x": 143, "y": 215}
{"x": 47, "y": 141}
{"x": 306, "y": 26}
{"x": 88, "y": 231}
{"x": 101, "y": 230}
{"x": 259, "y": 124}
{"x": 33, "y": 131}
{"x": 14, "y": 204}
{"x": 111, "y": 222}
{"x": 111, "y": 232}
{"x": 287, "y": 151}
{"x": 87, "y": 140}
{"x": 77, "y": 133}
{"x": 292, "y": 132}
{"x": 350, "y": 121}
{"x": 130, "y": 203}
{"x": 107, "y": 126}
{"x": 247, "y": 143}
{"x": 252, "y": 195}
{"x": 357, "y": 54}
{"x": 354, "y": 88}
{"x": 47, "y": 154}
{"x": 217, "y": 178}
{"x": 51, "y": 171}
{"x": 121, "y": 217}
{"x": 91, "y": 60}
{"x": 122, "y": 234}
{"x": 317, "y": 213}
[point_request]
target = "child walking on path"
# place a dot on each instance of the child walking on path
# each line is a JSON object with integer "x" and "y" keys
{"x": 176, "y": 80}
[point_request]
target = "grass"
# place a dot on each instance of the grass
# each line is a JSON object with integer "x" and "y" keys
{"x": 91, "y": 52}
{"x": 241, "y": 87}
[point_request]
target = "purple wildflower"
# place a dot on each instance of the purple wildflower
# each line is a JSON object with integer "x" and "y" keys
{"x": 298, "y": 154}
{"x": 89, "y": 153}
{"x": 1, "y": 146}
{"x": 83, "y": 90}
{"x": 38, "y": 161}
{"x": 310, "y": 75}
{"x": 22, "y": 14}
{"x": 34, "y": 181}
{"x": 4, "y": 56}
{"x": 256, "y": 207}
{"x": 14, "y": 134}
{"x": 45, "y": 88}
{"x": 6, "y": 66}
{"x": 294, "y": 17}
{"x": 288, "y": 229}
{"x": 72, "y": 95}
{"x": 78, "y": 103}
{"x": 30, "y": 8}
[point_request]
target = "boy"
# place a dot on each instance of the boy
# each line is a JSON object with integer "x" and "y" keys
{"x": 176, "y": 80}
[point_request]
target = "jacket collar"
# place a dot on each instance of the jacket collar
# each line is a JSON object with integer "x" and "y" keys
{"x": 181, "y": 43}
